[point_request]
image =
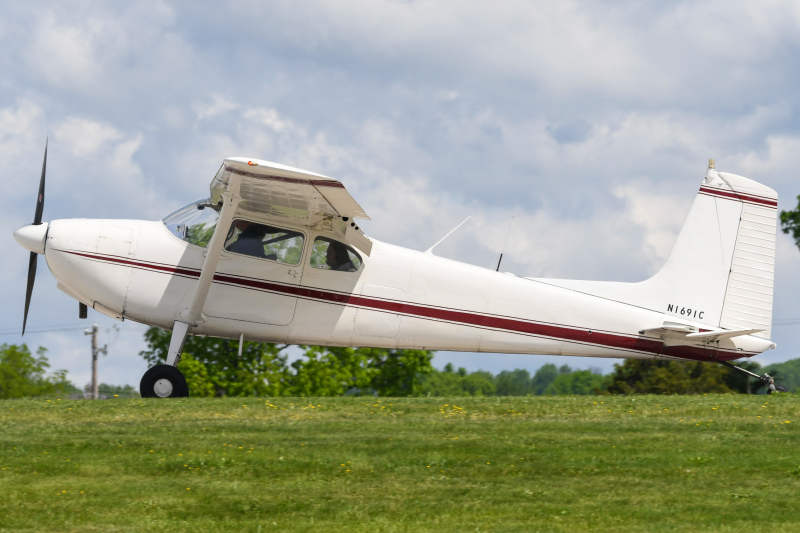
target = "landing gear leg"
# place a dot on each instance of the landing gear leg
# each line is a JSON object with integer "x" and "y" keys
{"x": 166, "y": 381}
{"x": 766, "y": 378}
{"x": 176, "y": 342}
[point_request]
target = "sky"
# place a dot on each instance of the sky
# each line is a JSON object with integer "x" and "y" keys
{"x": 591, "y": 123}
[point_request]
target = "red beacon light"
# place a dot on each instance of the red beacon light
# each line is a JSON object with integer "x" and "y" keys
{"x": 252, "y": 163}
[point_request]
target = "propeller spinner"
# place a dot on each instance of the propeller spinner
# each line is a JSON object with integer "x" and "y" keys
{"x": 33, "y": 238}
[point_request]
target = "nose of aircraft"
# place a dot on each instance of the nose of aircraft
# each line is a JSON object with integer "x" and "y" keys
{"x": 32, "y": 237}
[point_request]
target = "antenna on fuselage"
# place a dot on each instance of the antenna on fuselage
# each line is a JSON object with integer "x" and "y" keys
{"x": 430, "y": 250}
{"x": 504, "y": 245}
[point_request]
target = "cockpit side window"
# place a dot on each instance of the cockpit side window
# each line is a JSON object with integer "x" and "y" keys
{"x": 329, "y": 254}
{"x": 265, "y": 242}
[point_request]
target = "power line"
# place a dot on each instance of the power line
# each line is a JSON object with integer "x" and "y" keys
{"x": 17, "y": 331}
{"x": 53, "y": 329}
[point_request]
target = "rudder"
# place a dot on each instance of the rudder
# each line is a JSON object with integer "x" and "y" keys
{"x": 749, "y": 292}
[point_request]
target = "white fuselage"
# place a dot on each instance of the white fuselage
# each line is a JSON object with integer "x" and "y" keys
{"x": 399, "y": 298}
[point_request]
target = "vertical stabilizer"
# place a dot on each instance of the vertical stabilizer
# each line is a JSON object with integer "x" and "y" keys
{"x": 721, "y": 269}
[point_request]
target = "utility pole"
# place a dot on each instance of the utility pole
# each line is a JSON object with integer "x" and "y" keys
{"x": 95, "y": 352}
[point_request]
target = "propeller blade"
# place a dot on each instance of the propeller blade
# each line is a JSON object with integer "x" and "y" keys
{"x": 29, "y": 290}
{"x": 37, "y": 218}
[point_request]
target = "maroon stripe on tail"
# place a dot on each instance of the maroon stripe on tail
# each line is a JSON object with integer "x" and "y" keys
{"x": 732, "y": 195}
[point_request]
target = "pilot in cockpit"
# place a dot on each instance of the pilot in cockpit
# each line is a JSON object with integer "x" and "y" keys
{"x": 250, "y": 241}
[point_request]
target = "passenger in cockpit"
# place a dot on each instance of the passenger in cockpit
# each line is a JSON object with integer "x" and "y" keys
{"x": 337, "y": 258}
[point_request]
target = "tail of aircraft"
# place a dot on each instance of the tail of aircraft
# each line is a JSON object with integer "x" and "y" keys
{"x": 721, "y": 269}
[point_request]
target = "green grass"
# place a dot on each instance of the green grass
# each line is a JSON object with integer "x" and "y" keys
{"x": 707, "y": 463}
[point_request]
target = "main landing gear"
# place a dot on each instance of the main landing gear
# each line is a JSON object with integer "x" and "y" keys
{"x": 166, "y": 381}
{"x": 163, "y": 381}
{"x": 766, "y": 378}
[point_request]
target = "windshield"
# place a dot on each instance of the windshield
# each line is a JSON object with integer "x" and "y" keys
{"x": 194, "y": 223}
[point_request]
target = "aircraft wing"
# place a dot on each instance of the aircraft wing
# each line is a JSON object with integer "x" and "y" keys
{"x": 282, "y": 191}
{"x": 299, "y": 196}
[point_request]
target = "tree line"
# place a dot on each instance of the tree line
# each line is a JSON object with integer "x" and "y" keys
{"x": 212, "y": 368}
{"x": 24, "y": 374}
{"x": 633, "y": 376}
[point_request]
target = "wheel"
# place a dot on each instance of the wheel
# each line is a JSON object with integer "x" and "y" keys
{"x": 778, "y": 388}
{"x": 163, "y": 381}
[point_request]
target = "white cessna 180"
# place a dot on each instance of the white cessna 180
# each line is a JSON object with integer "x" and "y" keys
{"x": 274, "y": 254}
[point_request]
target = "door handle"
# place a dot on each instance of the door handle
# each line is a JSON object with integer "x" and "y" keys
{"x": 292, "y": 271}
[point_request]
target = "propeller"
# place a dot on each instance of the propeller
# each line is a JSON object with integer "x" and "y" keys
{"x": 37, "y": 220}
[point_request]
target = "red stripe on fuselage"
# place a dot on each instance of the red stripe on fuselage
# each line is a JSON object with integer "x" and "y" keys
{"x": 564, "y": 333}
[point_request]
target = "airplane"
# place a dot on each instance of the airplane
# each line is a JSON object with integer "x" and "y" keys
{"x": 275, "y": 254}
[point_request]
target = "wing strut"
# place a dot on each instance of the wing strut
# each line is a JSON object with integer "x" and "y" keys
{"x": 193, "y": 315}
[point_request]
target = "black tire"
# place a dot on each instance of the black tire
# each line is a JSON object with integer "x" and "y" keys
{"x": 778, "y": 388}
{"x": 163, "y": 381}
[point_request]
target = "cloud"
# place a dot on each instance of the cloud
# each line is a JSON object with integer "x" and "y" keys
{"x": 83, "y": 136}
{"x": 778, "y": 162}
{"x": 101, "y": 157}
{"x": 65, "y": 55}
{"x": 582, "y": 51}
{"x": 264, "y": 133}
{"x": 271, "y": 119}
{"x": 659, "y": 216}
{"x": 626, "y": 242}
{"x": 22, "y": 135}
{"x": 218, "y": 105}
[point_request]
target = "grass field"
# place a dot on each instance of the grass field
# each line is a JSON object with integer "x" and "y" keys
{"x": 706, "y": 463}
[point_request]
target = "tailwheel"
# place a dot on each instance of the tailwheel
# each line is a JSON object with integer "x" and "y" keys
{"x": 768, "y": 380}
{"x": 163, "y": 381}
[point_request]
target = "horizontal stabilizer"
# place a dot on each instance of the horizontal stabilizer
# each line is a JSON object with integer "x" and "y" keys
{"x": 684, "y": 334}
{"x": 723, "y": 334}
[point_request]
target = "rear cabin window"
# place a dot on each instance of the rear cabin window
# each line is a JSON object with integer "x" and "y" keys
{"x": 265, "y": 242}
{"x": 329, "y": 254}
